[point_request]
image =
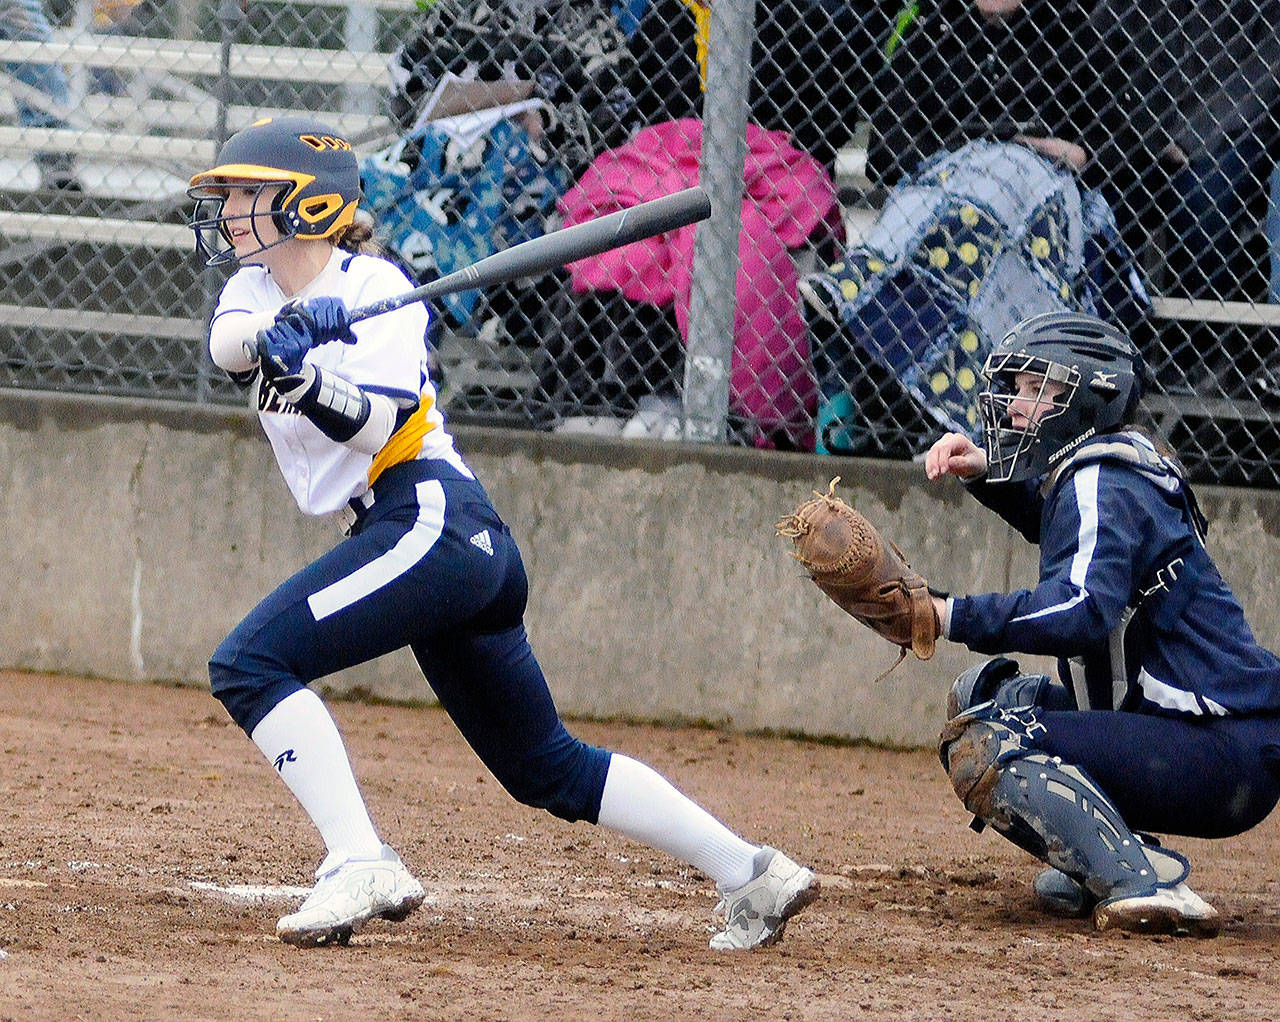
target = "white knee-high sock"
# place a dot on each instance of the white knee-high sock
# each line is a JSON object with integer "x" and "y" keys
{"x": 643, "y": 805}
{"x": 302, "y": 742}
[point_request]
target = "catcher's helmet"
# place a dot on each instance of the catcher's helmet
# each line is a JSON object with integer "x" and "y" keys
{"x": 306, "y": 176}
{"x": 1102, "y": 374}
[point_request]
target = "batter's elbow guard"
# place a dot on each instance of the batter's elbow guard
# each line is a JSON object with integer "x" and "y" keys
{"x": 338, "y": 407}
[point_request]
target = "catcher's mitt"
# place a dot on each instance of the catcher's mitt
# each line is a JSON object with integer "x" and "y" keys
{"x": 865, "y": 575}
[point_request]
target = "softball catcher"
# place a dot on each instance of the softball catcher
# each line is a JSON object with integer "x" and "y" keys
{"x": 1165, "y": 718}
{"x": 427, "y": 562}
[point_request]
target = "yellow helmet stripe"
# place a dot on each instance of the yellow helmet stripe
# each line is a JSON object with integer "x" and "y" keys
{"x": 252, "y": 172}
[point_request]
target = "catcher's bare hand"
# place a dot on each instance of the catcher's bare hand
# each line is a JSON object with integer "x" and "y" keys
{"x": 863, "y": 573}
{"x": 956, "y": 455}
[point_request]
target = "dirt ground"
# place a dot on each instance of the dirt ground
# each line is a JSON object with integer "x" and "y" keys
{"x": 146, "y": 850}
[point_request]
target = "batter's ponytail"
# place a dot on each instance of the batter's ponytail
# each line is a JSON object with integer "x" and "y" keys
{"x": 358, "y": 236}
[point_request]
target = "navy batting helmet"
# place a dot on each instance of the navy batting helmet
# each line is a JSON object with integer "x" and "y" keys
{"x": 305, "y": 174}
{"x": 1101, "y": 374}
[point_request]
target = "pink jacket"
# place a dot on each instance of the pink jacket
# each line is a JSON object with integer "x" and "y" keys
{"x": 788, "y": 195}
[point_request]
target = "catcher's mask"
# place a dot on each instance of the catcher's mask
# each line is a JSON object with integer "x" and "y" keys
{"x": 1090, "y": 376}
{"x": 305, "y": 177}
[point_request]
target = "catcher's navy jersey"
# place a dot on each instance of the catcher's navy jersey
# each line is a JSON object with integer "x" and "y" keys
{"x": 1129, "y": 600}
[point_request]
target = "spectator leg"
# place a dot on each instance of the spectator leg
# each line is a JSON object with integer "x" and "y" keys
{"x": 1211, "y": 196}
{"x": 25, "y": 20}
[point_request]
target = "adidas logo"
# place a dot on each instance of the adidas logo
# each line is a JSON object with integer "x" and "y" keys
{"x": 482, "y": 541}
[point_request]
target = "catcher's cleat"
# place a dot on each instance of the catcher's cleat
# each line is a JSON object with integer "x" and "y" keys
{"x": 757, "y": 912}
{"x": 1059, "y": 895}
{"x": 1176, "y": 910}
{"x": 350, "y": 894}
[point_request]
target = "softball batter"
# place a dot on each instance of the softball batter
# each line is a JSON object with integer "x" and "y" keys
{"x": 426, "y": 563}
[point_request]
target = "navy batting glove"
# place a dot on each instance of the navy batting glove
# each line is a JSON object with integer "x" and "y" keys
{"x": 327, "y": 319}
{"x": 281, "y": 347}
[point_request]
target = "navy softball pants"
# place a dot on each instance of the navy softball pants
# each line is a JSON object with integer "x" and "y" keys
{"x": 430, "y": 566}
{"x": 1207, "y": 777}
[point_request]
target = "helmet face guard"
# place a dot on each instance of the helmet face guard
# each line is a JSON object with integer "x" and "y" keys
{"x": 305, "y": 178}
{"x": 212, "y": 226}
{"x": 1012, "y": 450}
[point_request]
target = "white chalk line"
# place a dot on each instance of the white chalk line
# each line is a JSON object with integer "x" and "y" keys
{"x": 250, "y": 892}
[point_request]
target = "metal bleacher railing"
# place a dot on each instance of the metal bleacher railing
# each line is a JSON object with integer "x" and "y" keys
{"x": 863, "y": 254}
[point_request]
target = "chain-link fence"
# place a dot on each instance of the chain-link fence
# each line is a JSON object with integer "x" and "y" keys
{"x": 893, "y": 185}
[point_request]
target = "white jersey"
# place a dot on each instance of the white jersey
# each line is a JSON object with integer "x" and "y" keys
{"x": 388, "y": 358}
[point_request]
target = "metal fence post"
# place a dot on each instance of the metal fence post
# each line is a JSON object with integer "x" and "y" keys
{"x": 715, "y": 256}
{"x": 231, "y": 15}
{"x": 360, "y": 35}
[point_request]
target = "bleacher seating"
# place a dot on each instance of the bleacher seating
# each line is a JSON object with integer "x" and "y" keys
{"x": 135, "y": 152}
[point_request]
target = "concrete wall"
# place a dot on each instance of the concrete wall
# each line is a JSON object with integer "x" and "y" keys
{"x": 138, "y": 534}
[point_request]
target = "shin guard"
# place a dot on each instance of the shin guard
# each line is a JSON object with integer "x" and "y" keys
{"x": 1049, "y": 808}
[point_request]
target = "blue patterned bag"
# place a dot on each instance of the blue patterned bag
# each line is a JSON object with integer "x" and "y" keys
{"x": 975, "y": 241}
{"x": 441, "y": 205}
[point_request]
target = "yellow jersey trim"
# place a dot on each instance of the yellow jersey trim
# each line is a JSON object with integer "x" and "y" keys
{"x": 405, "y": 443}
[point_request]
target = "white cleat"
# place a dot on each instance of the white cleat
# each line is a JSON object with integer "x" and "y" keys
{"x": 350, "y": 894}
{"x": 757, "y": 912}
{"x": 1176, "y": 910}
